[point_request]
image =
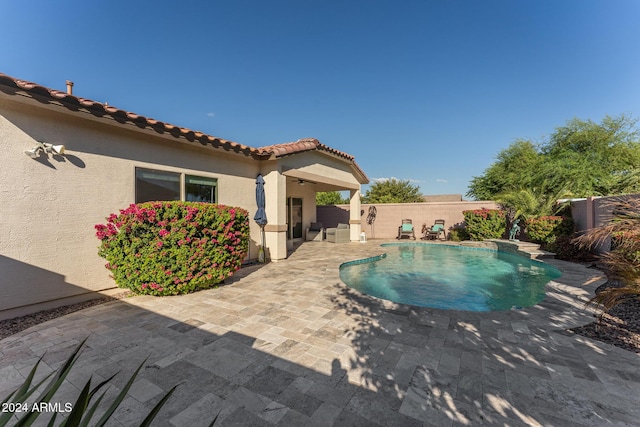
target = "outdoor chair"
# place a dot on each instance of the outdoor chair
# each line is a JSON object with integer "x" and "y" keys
{"x": 435, "y": 231}
{"x": 406, "y": 229}
{"x": 339, "y": 234}
{"x": 315, "y": 232}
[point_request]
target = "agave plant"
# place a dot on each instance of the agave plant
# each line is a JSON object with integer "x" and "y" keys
{"x": 81, "y": 414}
{"x": 623, "y": 261}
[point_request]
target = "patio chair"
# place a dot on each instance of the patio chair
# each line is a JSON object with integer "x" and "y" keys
{"x": 339, "y": 234}
{"x": 315, "y": 232}
{"x": 435, "y": 231}
{"x": 406, "y": 229}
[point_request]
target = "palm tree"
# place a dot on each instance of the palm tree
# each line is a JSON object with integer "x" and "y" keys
{"x": 529, "y": 202}
{"x": 623, "y": 261}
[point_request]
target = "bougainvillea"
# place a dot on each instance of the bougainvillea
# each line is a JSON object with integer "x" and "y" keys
{"x": 484, "y": 223}
{"x": 170, "y": 248}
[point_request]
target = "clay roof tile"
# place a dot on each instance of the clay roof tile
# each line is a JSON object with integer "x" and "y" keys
{"x": 100, "y": 110}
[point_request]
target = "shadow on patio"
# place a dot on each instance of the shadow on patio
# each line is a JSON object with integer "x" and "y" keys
{"x": 289, "y": 344}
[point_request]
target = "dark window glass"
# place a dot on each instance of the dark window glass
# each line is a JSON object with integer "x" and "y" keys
{"x": 295, "y": 218}
{"x": 200, "y": 189}
{"x": 152, "y": 185}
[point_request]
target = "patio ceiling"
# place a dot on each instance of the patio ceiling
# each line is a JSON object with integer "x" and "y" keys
{"x": 320, "y": 182}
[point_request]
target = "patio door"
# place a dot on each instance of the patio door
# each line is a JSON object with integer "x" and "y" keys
{"x": 294, "y": 218}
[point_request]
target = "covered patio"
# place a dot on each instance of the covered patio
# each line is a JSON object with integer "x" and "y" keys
{"x": 293, "y": 174}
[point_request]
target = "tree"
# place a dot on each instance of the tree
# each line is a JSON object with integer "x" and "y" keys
{"x": 515, "y": 168}
{"x": 583, "y": 158}
{"x": 330, "y": 198}
{"x": 392, "y": 191}
{"x": 526, "y": 203}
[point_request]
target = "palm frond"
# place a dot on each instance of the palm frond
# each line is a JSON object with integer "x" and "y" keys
{"x": 623, "y": 260}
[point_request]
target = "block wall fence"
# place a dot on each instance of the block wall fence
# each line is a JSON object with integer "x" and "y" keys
{"x": 389, "y": 216}
{"x": 593, "y": 211}
{"x": 587, "y": 213}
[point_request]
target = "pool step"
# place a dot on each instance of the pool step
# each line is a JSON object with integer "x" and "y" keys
{"x": 526, "y": 249}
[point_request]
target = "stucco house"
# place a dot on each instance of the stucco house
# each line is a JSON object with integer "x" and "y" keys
{"x": 50, "y": 202}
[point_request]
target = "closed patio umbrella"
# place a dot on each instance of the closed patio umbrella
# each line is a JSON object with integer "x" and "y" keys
{"x": 261, "y": 216}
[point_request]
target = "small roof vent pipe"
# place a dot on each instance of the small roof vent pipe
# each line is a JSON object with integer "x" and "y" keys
{"x": 69, "y": 87}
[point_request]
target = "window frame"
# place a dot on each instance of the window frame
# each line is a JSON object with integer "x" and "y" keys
{"x": 182, "y": 178}
{"x": 186, "y": 176}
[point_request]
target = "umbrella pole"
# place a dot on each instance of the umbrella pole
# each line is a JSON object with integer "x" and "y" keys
{"x": 261, "y": 250}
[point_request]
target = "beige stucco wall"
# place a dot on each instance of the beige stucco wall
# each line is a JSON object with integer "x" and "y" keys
{"x": 390, "y": 215}
{"x": 48, "y": 207}
{"x": 594, "y": 212}
{"x": 327, "y": 171}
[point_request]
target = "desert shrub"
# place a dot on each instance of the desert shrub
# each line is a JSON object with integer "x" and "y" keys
{"x": 545, "y": 229}
{"x": 566, "y": 249}
{"x": 485, "y": 223}
{"x": 623, "y": 260}
{"x": 625, "y": 246}
{"x": 170, "y": 248}
{"x": 458, "y": 234}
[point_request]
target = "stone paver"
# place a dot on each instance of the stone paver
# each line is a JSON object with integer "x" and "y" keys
{"x": 288, "y": 344}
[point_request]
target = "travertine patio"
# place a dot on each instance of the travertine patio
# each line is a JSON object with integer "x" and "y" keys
{"x": 288, "y": 344}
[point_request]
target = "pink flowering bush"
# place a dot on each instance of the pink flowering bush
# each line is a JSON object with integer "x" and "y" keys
{"x": 171, "y": 248}
{"x": 484, "y": 223}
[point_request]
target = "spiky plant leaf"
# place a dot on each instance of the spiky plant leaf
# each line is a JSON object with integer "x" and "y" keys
{"x": 101, "y": 422}
{"x": 23, "y": 392}
{"x": 91, "y": 411}
{"x": 147, "y": 421}
{"x": 52, "y": 420}
{"x": 81, "y": 414}
{"x": 79, "y": 407}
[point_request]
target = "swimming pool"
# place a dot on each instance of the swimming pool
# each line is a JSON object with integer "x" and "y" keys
{"x": 450, "y": 277}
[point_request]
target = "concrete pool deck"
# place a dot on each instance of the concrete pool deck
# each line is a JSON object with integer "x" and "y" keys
{"x": 288, "y": 344}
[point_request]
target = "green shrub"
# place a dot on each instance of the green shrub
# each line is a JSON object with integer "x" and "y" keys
{"x": 458, "y": 234}
{"x": 545, "y": 229}
{"x": 566, "y": 249}
{"x": 170, "y": 248}
{"x": 626, "y": 246}
{"x": 485, "y": 223}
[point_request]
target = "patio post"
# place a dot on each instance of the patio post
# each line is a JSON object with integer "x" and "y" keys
{"x": 355, "y": 217}
{"x": 276, "y": 229}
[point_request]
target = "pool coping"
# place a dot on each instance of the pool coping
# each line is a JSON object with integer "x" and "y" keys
{"x": 574, "y": 287}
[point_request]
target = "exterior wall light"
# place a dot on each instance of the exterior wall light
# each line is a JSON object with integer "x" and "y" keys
{"x": 45, "y": 147}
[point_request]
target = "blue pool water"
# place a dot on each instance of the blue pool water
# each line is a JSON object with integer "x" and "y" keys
{"x": 450, "y": 277}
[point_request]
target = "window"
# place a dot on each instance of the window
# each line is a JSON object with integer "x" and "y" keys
{"x": 154, "y": 185}
{"x": 200, "y": 189}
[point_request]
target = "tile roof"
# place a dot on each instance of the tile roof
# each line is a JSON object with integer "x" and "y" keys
{"x": 12, "y": 85}
{"x": 301, "y": 145}
{"x": 98, "y": 109}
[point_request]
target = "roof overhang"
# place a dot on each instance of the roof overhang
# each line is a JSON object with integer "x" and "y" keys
{"x": 68, "y": 103}
{"x": 320, "y": 179}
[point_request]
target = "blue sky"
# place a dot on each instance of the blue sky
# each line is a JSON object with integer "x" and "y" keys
{"x": 426, "y": 91}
